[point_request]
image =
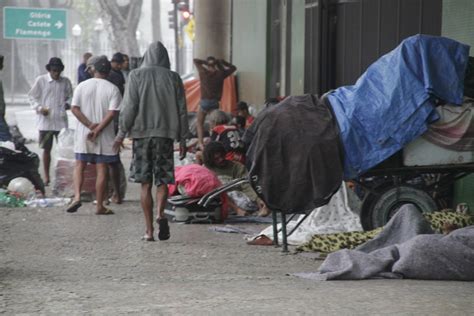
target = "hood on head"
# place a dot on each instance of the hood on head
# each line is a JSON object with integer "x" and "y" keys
{"x": 156, "y": 55}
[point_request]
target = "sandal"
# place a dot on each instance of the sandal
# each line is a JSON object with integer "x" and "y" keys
{"x": 164, "y": 229}
{"x": 74, "y": 206}
{"x": 261, "y": 240}
{"x": 106, "y": 212}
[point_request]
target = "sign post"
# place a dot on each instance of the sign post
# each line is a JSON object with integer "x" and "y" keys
{"x": 34, "y": 23}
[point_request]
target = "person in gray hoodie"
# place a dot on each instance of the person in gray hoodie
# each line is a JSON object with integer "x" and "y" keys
{"x": 154, "y": 114}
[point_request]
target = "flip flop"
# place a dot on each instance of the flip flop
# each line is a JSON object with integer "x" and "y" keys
{"x": 74, "y": 206}
{"x": 106, "y": 212}
{"x": 164, "y": 229}
{"x": 261, "y": 240}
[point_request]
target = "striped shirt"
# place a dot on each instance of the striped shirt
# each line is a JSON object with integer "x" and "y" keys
{"x": 52, "y": 94}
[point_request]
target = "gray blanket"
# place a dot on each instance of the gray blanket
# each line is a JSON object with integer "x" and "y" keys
{"x": 406, "y": 248}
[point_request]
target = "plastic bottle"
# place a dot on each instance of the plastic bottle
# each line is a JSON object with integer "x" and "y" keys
{"x": 48, "y": 202}
{"x": 7, "y": 200}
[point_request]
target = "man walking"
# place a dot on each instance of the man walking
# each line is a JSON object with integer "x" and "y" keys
{"x": 212, "y": 73}
{"x": 50, "y": 97}
{"x": 154, "y": 114}
{"x": 95, "y": 103}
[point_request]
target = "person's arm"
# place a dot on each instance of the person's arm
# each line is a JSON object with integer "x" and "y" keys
{"x": 199, "y": 63}
{"x": 68, "y": 95}
{"x": 109, "y": 117}
{"x": 76, "y": 110}
{"x": 228, "y": 67}
{"x": 34, "y": 97}
{"x": 129, "y": 107}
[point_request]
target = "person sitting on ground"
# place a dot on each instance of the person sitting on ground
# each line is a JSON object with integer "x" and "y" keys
{"x": 243, "y": 110}
{"x": 243, "y": 200}
{"x": 239, "y": 122}
{"x": 228, "y": 134}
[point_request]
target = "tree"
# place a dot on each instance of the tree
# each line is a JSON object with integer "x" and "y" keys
{"x": 121, "y": 18}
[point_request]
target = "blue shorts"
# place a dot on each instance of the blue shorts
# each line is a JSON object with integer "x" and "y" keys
{"x": 93, "y": 158}
{"x": 207, "y": 105}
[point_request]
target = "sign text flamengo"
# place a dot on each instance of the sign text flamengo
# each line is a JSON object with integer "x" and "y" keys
{"x": 34, "y": 23}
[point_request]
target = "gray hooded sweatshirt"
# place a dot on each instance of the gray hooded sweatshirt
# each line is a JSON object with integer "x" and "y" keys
{"x": 154, "y": 104}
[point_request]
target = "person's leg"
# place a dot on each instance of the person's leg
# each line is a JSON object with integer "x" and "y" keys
{"x": 100, "y": 186}
{"x": 78, "y": 178}
{"x": 147, "y": 206}
{"x": 141, "y": 171}
{"x": 163, "y": 172}
{"x": 201, "y": 116}
{"x": 115, "y": 176}
{"x": 46, "y": 143}
{"x": 46, "y": 164}
{"x": 78, "y": 175}
{"x": 161, "y": 198}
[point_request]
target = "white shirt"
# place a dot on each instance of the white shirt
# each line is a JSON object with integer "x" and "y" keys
{"x": 96, "y": 97}
{"x": 52, "y": 94}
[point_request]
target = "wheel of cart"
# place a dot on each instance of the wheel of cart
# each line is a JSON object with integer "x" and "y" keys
{"x": 429, "y": 188}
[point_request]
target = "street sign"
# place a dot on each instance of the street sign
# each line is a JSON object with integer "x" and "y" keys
{"x": 34, "y": 23}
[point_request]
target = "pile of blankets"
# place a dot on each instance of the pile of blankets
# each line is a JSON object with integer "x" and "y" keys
{"x": 407, "y": 247}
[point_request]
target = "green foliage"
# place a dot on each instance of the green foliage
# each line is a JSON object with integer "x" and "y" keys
{"x": 89, "y": 12}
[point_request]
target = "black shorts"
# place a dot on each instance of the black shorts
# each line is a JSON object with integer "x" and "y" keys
{"x": 152, "y": 160}
{"x": 46, "y": 139}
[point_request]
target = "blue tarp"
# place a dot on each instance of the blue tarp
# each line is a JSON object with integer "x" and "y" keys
{"x": 392, "y": 103}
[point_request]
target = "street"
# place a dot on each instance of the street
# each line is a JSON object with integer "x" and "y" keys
{"x": 53, "y": 263}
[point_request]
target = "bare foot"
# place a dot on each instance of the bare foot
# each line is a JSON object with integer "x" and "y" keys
{"x": 240, "y": 212}
{"x": 104, "y": 211}
{"x": 116, "y": 199}
{"x": 264, "y": 211}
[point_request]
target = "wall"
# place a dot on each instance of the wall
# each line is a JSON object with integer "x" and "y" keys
{"x": 458, "y": 21}
{"x": 297, "y": 47}
{"x": 249, "y": 53}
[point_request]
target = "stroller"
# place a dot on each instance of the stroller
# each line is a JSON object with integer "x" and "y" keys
{"x": 209, "y": 208}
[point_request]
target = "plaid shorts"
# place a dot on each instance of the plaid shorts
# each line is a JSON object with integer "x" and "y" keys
{"x": 152, "y": 158}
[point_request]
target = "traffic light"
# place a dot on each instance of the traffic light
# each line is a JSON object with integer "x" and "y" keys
{"x": 171, "y": 19}
{"x": 183, "y": 7}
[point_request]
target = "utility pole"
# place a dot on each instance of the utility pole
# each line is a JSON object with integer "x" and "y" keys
{"x": 173, "y": 24}
{"x": 213, "y": 28}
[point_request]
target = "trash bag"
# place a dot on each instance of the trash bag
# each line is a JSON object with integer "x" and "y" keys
{"x": 65, "y": 148}
{"x": 16, "y": 135}
{"x": 20, "y": 163}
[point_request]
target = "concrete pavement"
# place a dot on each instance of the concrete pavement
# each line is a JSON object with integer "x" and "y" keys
{"x": 53, "y": 263}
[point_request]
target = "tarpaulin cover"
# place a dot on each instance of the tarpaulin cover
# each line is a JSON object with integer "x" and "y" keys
{"x": 392, "y": 103}
{"x": 229, "y": 95}
{"x": 295, "y": 156}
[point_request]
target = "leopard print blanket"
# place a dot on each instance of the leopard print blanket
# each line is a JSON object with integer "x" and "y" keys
{"x": 327, "y": 243}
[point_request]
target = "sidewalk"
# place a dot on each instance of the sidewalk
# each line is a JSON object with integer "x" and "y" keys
{"x": 52, "y": 262}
